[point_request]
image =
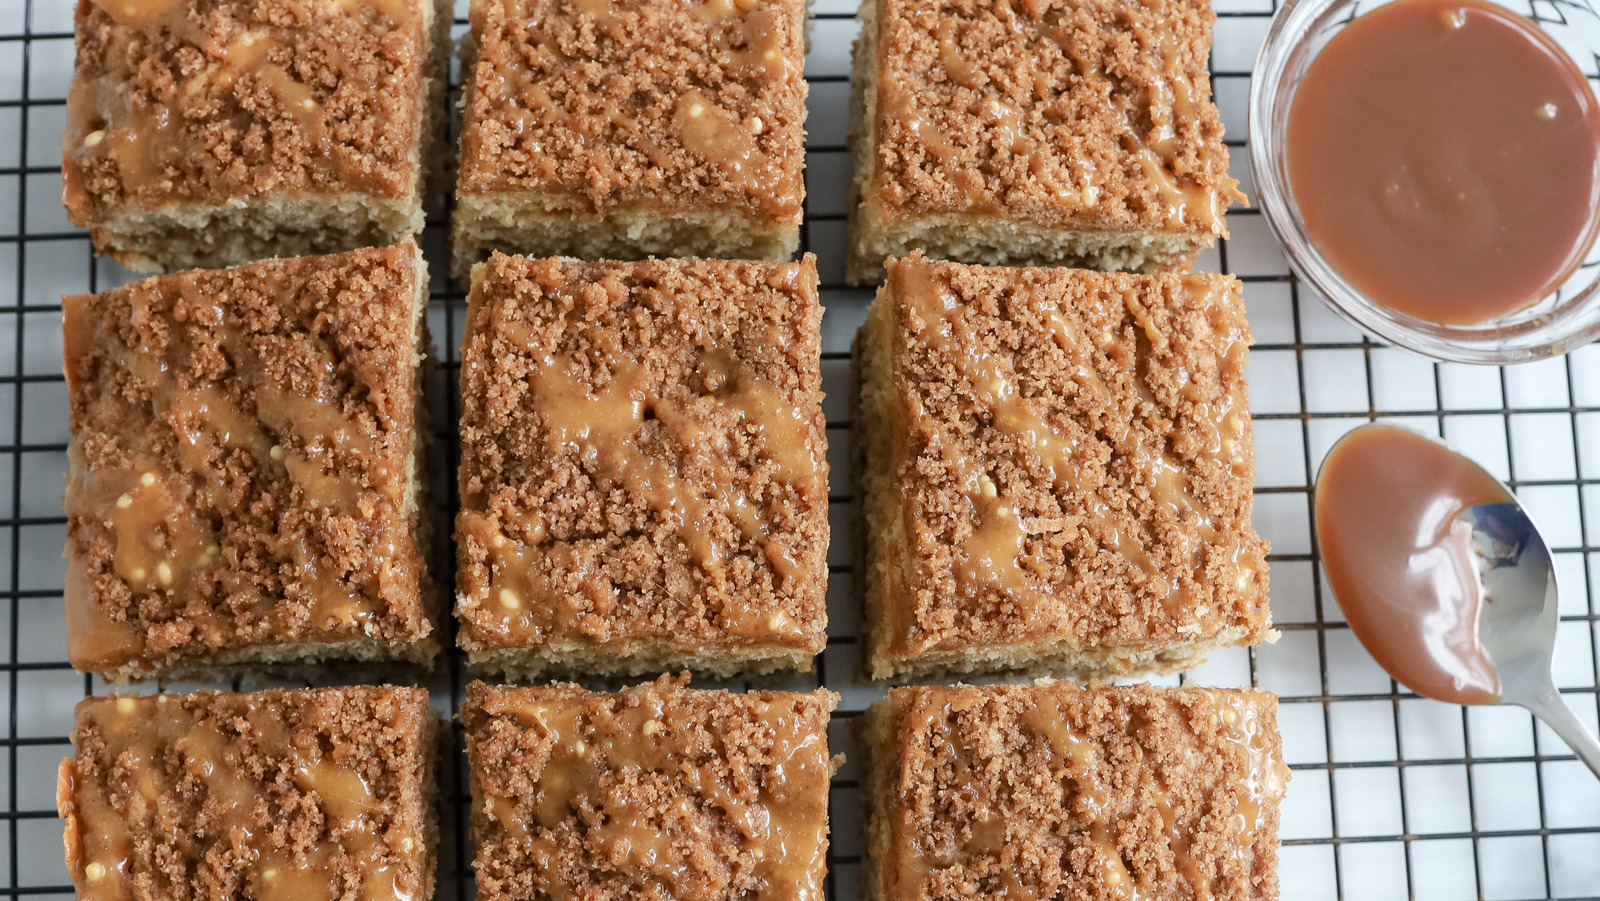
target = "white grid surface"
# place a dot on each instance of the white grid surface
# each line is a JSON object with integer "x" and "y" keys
{"x": 1393, "y": 796}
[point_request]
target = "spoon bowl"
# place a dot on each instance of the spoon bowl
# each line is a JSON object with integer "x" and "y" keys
{"x": 1442, "y": 575}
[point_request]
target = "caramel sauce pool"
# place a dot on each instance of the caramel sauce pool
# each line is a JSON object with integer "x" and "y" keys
{"x": 1443, "y": 158}
{"x": 1400, "y": 561}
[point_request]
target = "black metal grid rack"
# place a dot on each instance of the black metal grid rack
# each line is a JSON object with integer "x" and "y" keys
{"x": 1393, "y": 796}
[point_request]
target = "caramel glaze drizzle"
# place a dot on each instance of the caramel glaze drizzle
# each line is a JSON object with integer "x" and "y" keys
{"x": 163, "y": 522}
{"x": 1266, "y": 776}
{"x": 899, "y": 105}
{"x": 1184, "y": 202}
{"x": 725, "y": 142}
{"x": 1092, "y": 802}
{"x": 603, "y": 430}
{"x": 752, "y": 35}
{"x": 146, "y": 736}
{"x": 991, "y": 558}
{"x": 324, "y": 435}
{"x": 778, "y": 817}
{"x": 1221, "y": 424}
{"x": 146, "y": 139}
{"x": 748, "y": 33}
{"x": 94, "y": 638}
{"x": 142, "y": 13}
{"x": 1263, "y": 784}
{"x": 933, "y": 720}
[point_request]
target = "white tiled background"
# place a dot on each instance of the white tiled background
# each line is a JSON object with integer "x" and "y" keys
{"x": 1393, "y": 796}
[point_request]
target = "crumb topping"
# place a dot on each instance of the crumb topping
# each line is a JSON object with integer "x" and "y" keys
{"x": 240, "y": 460}
{"x": 656, "y": 791}
{"x": 216, "y": 99}
{"x": 605, "y": 104}
{"x": 643, "y": 455}
{"x": 1096, "y": 113}
{"x": 1077, "y": 457}
{"x": 1048, "y": 791}
{"x": 276, "y": 795}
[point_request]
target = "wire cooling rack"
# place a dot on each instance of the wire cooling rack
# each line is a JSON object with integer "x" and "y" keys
{"x": 1393, "y": 796}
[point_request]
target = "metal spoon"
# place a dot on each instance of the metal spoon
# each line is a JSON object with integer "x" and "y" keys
{"x": 1517, "y": 625}
{"x": 1442, "y": 575}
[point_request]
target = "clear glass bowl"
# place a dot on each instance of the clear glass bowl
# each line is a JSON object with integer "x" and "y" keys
{"x": 1567, "y": 319}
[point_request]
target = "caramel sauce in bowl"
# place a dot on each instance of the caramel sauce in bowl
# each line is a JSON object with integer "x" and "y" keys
{"x": 1548, "y": 300}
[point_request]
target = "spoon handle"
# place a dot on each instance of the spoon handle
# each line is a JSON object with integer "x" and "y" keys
{"x": 1548, "y": 706}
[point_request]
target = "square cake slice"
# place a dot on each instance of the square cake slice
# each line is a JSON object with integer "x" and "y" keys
{"x": 244, "y": 468}
{"x": 1049, "y": 132}
{"x": 1056, "y": 471}
{"x": 1050, "y": 791}
{"x": 208, "y": 133}
{"x": 309, "y": 795}
{"x": 657, "y": 791}
{"x": 644, "y": 479}
{"x": 619, "y": 129}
